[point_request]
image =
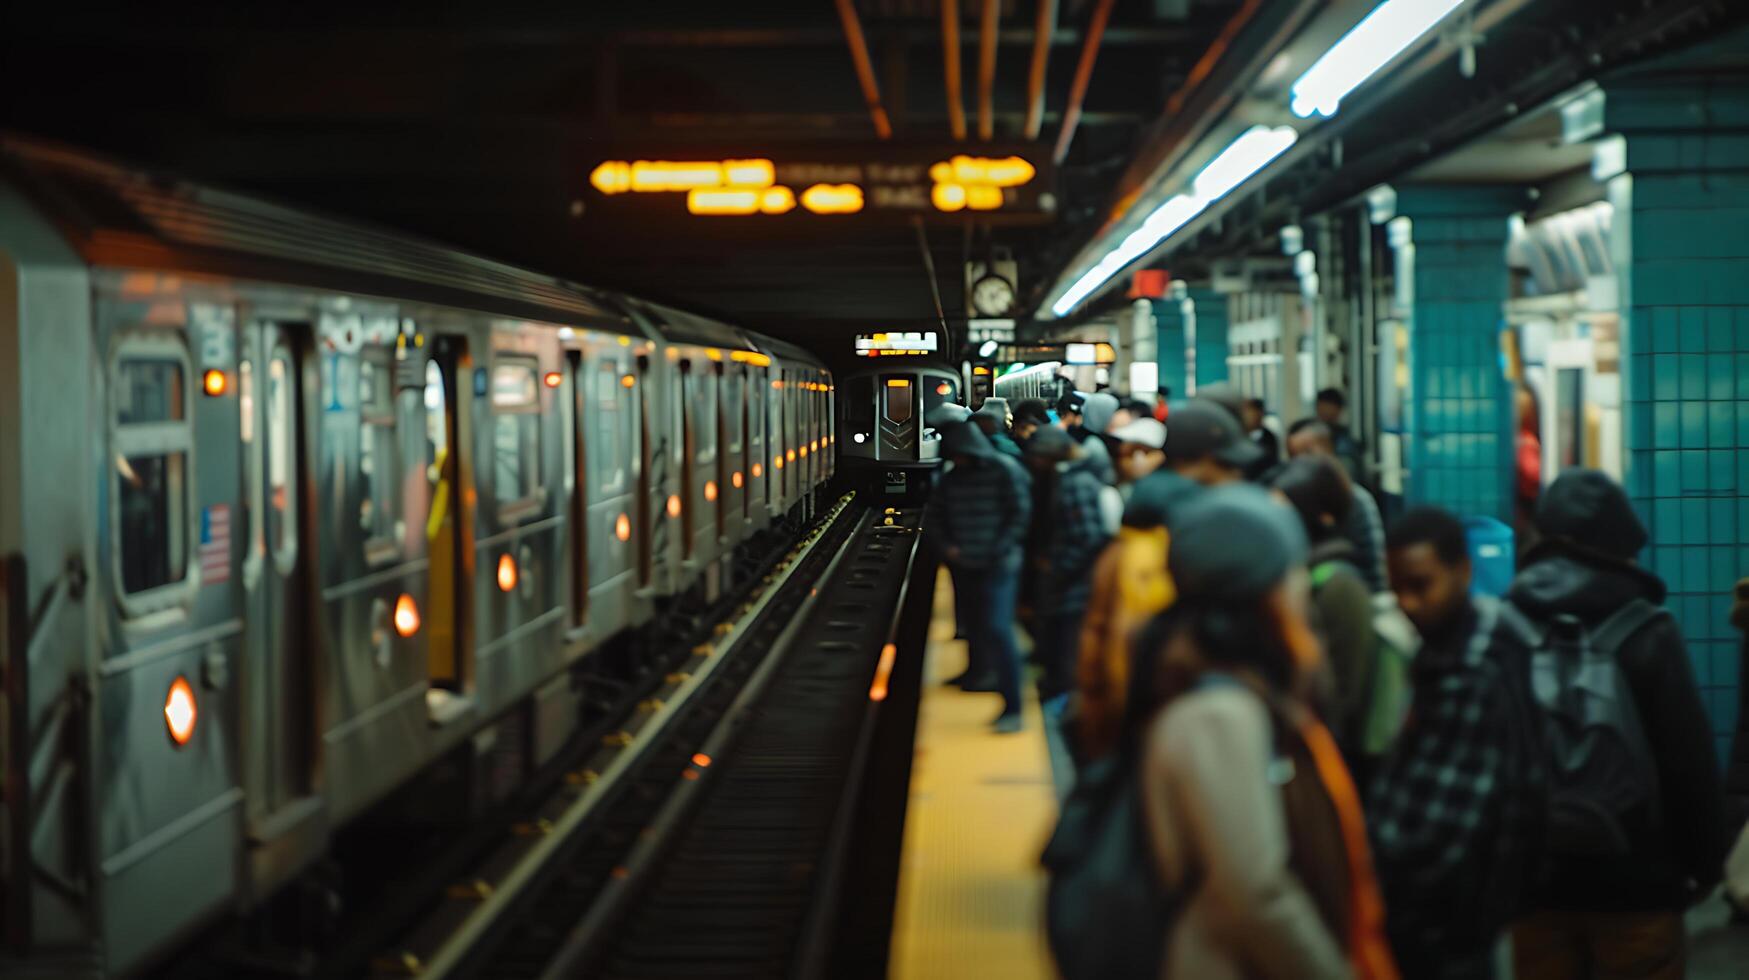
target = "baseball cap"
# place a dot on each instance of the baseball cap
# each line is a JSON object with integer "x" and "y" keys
{"x": 1202, "y": 428}
{"x": 1234, "y": 543}
{"x": 1143, "y": 432}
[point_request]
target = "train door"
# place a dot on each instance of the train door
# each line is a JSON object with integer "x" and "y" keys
{"x": 271, "y": 397}
{"x": 647, "y": 482}
{"x": 579, "y": 486}
{"x": 447, "y": 526}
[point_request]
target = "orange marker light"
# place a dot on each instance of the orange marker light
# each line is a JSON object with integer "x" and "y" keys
{"x": 883, "y": 672}
{"x": 627, "y": 381}
{"x": 777, "y": 461}
{"x": 553, "y": 379}
{"x": 506, "y": 573}
{"x": 943, "y": 388}
{"x": 710, "y": 489}
{"x": 791, "y": 455}
{"x": 406, "y": 615}
{"x": 758, "y": 470}
{"x": 180, "y": 712}
{"x": 700, "y": 760}
{"x": 214, "y": 382}
{"x": 674, "y": 505}
{"x": 622, "y": 528}
{"x": 833, "y": 199}
{"x": 735, "y": 480}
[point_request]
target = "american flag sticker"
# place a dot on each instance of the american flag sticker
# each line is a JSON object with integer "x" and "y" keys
{"x": 215, "y": 544}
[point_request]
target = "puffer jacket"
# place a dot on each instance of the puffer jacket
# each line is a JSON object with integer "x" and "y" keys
{"x": 1076, "y": 534}
{"x": 1667, "y": 873}
{"x": 1130, "y": 586}
{"x": 980, "y": 509}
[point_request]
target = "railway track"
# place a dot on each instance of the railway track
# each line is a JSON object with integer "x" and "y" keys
{"x": 691, "y": 842}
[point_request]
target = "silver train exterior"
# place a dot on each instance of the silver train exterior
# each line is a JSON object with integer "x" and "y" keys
{"x": 292, "y": 507}
{"x": 1033, "y": 381}
{"x": 884, "y": 414}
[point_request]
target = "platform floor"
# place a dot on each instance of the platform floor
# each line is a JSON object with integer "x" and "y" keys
{"x": 970, "y": 889}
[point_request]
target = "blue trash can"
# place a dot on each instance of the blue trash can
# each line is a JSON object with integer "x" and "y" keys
{"x": 1492, "y": 558}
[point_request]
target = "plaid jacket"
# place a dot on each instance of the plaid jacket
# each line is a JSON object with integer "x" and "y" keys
{"x": 1075, "y": 536}
{"x": 1454, "y": 811}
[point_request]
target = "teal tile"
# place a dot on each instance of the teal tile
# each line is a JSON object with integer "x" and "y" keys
{"x": 1639, "y": 379}
{"x": 1721, "y": 470}
{"x": 1743, "y": 468}
{"x": 1699, "y": 657}
{"x": 1666, "y": 377}
{"x": 1667, "y": 565}
{"x": 1742, "y": 375}
{"x": 1743, "y": 529}
{"x": 1727, "y": 662}
{"x": 1721, "y": 378}
{"x": 1724, "y": 571}
{"x": 1694, "y": 470}
{"x": 1667, "y": 473}
{"x": 1639, "y": 474}
{"x": 1721, "y": 425}
{"x": 1695, "y": 608}
{"x": 1694, "y": 527}
{"x": 1718, "y": 330}
{"x": 1694, "y": 425}
{"x": 1741, "y": 327}
{"x": 1667, "y": 521}
{"x": 1693, "y": 370}
{"x": 1692, "y": 320}
{"x": 1666, "y": 331}
{"x": 1743, "y": 424}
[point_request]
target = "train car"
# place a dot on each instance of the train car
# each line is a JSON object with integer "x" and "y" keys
{"x": 291, "y": 508}
{"x": 885, "y": 415}
{"x": 1033, "y": 381}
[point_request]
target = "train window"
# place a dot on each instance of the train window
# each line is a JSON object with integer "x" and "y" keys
{"x": 152, "y": 443}
{"x": 282, "y": 490}
{"x": 732, "y": 407}
{"x": 899, "y": 402}
{"x": 937, "y": 391}
{"x": 148, "y": 391}
{"x": 515, "y": 431}
{"x": 377, "y": 465}
{"x": 436, "y": 421}
{"x": 608, "y": 451}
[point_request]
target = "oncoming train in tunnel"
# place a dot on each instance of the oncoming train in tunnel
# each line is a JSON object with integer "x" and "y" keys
{"x": 889, "y": 417}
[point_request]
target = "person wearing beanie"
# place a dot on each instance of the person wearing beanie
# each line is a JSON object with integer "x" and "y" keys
{"x": 1082, "y": 514}
{"x": 1219, "y": 696}
{"x": 992, "y": 419}
{"x": 1596, "y": 914}
{"x": 976, "y": 519}
{"x": 1030, "y": 415}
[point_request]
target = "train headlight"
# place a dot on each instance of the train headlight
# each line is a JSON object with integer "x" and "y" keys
{"x": 180, "y": 712}
{"x": 859, "y": 438}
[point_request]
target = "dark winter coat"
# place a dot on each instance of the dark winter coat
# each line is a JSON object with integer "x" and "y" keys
{"x": 1666, "y": 873}
{"x": 981, "y": 506}
{"x": 1076, "y": 534}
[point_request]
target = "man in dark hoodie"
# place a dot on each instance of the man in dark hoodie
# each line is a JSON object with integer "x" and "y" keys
{"x": 992, "y": 420}
{"x": 1621, "y": 914}
{"x": 1097, "y": 414}
{"x": 979, "y": 515}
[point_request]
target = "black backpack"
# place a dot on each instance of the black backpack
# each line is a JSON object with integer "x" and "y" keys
{"x": 1106, "y": 912}
{"x": 1602, "y": 781}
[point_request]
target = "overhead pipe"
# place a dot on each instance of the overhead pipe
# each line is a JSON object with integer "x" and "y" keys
{"x": 1041, "y": 56}
{"x": 871, "y": 92}
{"x": 1083, "y": 74}
{"x": 987, "y": 70}
{"x": 950, "y": 50}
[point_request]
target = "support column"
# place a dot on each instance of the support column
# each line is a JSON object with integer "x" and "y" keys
{"x": 1170, "y": 322}
{"x": 1212, "y": 316}
{"x": 1451, "y": 248}
{"x": 1679, "y": 181}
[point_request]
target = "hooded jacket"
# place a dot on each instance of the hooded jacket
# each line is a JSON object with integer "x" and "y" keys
{"x": 981, "y": 506}
{"x": 1559, "y": 578}
{"x": 1096, "y": 416}
{"x": 1130, "y": 585}
{"x": 1076, "y": 534}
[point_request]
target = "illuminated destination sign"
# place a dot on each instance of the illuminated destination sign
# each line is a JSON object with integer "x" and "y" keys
{"x": 992, "y": 183}
{"x": 895, "y": 344}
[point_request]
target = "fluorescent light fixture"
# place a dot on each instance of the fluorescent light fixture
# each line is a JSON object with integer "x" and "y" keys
{"x": 987, "y": 348}
{"x": 1243, "y": 158}
{"x": 1079, "y": 354}
{"x": 1381, "y": 36}
{"x": 1144, "y": 377}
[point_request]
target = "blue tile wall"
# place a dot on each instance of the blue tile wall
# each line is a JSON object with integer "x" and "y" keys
{"x": 1211, "y": 335}
{"x": 1169, "y": 345}
{"x": 1686, "y": 400}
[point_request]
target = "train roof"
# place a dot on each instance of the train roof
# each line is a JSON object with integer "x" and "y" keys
{"x": 117, "y": 216}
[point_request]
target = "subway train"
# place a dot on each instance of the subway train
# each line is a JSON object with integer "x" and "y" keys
{"x": 885, "y": 414}
{"x": 1034, "y": 381}
{"x": 291, "y": 508}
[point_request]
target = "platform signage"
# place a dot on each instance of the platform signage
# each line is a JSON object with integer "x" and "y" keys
{"x": 990, "y": 182}
{"x": 999, "y": 330}
{"x": 913, "y": 343}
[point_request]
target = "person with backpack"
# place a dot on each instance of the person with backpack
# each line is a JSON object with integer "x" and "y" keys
{"x": 1368, "y": 663}
{"x": 1204, "y": 447}
{"x": 1455, "y": 808}
{"x": 978, "y": 516}
{"x": 1635, "y": 830}
{"x": 1224, "y": 838}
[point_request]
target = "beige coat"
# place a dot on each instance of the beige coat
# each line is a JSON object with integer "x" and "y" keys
{"x": 1214, "y": 814}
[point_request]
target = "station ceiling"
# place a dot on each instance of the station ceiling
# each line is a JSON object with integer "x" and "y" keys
{"x": 480, "y": 126}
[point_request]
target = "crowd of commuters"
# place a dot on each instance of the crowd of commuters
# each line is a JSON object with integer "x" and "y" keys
{"x": 1333, "y": 757}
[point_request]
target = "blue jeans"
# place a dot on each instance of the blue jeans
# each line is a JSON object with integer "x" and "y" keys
{"x": 990, "y": 596}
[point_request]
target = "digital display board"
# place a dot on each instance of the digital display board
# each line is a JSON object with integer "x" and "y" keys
{"x": 912, "y": 343}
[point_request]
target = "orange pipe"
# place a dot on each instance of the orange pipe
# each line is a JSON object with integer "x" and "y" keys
{"x": 1041, "y": 57}
{"x": 950, "y": 50}
{"x": 871, "y": 92}
{"x": 987, "y": 70}
{"x": 1083, "y": 74}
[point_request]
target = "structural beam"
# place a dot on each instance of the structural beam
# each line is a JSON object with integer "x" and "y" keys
{"x": 950, "y": 54}
{"x": 1041, "y": 56}
{"x": 1083, "y": 74}
{"x": 992, "y": 13}
{"x": 871, "y": 92}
